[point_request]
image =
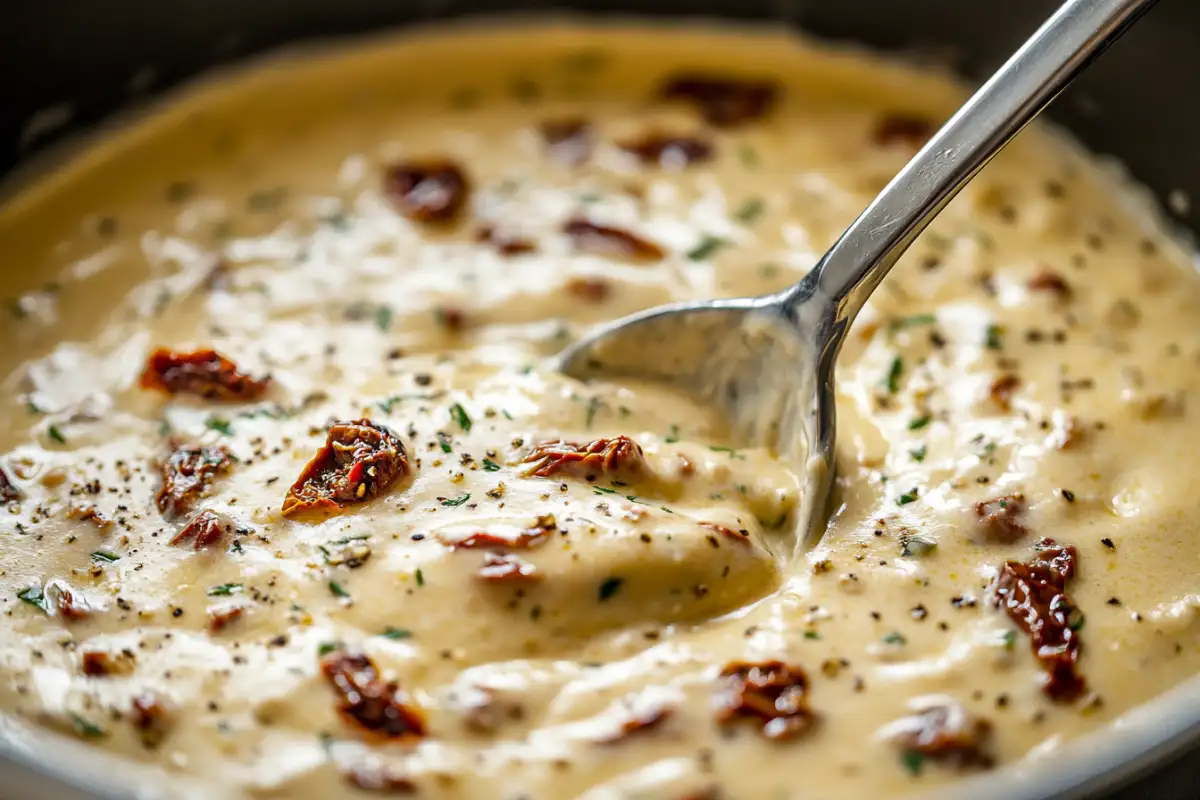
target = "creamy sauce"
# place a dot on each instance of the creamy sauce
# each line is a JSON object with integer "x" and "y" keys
{"x": 250, "y": 216}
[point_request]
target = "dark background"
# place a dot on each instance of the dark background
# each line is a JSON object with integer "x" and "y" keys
{"x": 1139, "y": 102}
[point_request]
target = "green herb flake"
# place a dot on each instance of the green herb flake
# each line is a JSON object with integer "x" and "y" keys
{"x": 444, "y": 442}
{"x": 325, "y": 648}
{"x": 490, "y": 466}
{"x": 85, "y": 728}
{"x": 1009, "y": 640}
{"x": 895, "y": 370}
{"x": 34, "y": 596}
{"x": 913, "y": 761}
{"x": 460, "y": 415}
{"x": 895, "y": 638}
{"x": 672, "y": 435}
{"x": 994, "y": 337}
{"x": 56, "y": 435}
{"x": 1075, "y": 619}
{"x": 224, "y": 589}
{"x": 593, "y": 406}
{"x": 420, "y": 576}
{"x": 337, "y": 590}
{"x": 396, "y": 633}
{"x": 733, "y": 454}
{"x": 383, "y": 317}
{"x": 454, "y": 502}
{"x": 33, "y": 407}
{"x": 705, "y": 248}
{"x": 908, "y": 497}
{"x": 912, "y": 321}
{"x": 604, "y": 490}
{"x": 750, "y": 210}
{"x": 918, "y": 454}
{"x": 918, "y": 423}
{"x": 104, "y": 556}
{"x": 609, "y": 588}
{"x": 220, "y": 425}
{"x": 811, "y": 635}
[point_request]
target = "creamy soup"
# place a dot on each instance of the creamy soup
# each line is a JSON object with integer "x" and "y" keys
{"x": 295, "y": 507}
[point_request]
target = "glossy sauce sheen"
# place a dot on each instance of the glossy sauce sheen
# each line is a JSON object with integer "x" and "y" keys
{"x": 633, "y": 627}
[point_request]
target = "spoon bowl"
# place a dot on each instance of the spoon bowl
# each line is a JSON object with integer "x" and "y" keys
{"x": 767, "y": 363}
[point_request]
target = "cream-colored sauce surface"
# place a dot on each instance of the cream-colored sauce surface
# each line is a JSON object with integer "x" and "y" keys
{"x": 356, "y": 311}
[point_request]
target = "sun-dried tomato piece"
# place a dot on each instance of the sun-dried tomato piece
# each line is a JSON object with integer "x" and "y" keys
{"x": 100, "y": 663}
{"x": 219, "y": 617}
{"x": 1052, "y": 282}
{"x": 645, "y": 718}
{"x": 62, "y": 600}
{"x": 358, "y": 461}
{"x": 740, "y": 535}
{"x": 8, "y": 491}
{"x": 507, "y": 568}
{"x": 89, "y": 512}
{"x": 205, "y": 528}
{"x": 379, "y": 778}
{"x": 723, "y": 102}
{"x": 1070, "y": 434}
{"x": 593, "y": 290}
{"x": 771, "y": 693}
{"x": 204, "y": 373}
{"x": 671, "y": 152}
{"x": 1003, "y": 389}
{"x": 1034, "y": 596}
{"x": 187, "y": 472}
{"x": 998, "y": 518}
{"x": 619, "y": 455}
{"x": 505, "y": 244}
{"x": 569, "y": 141}
{"x": 943, "y": 731}
{"x": 602, "y": 240}
{"x": 903, "y": 129}
{"x": 523, "y": 540}
{"x": 367, "y": 701}
{"x": 150, "y": 717}
{"x": 430, "y": 191}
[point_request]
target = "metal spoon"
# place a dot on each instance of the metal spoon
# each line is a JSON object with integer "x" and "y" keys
{"x": 768, "y": 362}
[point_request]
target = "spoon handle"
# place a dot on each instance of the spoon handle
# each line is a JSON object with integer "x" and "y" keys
{"x": 1061, "y": 48}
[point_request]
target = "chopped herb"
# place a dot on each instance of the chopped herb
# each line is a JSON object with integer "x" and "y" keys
{"x": 396, "y": 633}
{"x": 460, "y": 415}
{"x": 707, "y": 245}
{"x": 750, "y": 210}
{"x": 911, "y": 321}
{"x": 913, "y": 761}
{"x": 609, "y": 588}
{"x": 224, "y": 589}
{"x": 1075, "y": 619}
{"x": 383, "y": 317}
{"x": 734, "y": 454}
{"x": 624, "y": 411}
{"x": 490, "y": 466}
{"x": 338, "y": 590}
{"x": 811, "y": 635}
{"x": 325, "y": 648}
{"x": 220, "y": 425}
{"x": 672, "y": 436}
{"x": 1009, "y": 640}
{"x": 34, "y": 596}
{"x": 993, "y": 337}
{"x": 33, "y": 408}
{"x": 420, "y": 576}
{"x": 664, "y": 508}
{"x": 86, "y": 729}
{"x": 919, "y": 422}
{"x": 918, "y": 455}
{"x": 603, "y": 490}
{"x": 894, "y": 638}
{"x": 593, "y": 406}
{"x": 337, "y": 220}
{"x": 56, "y": 435}
{"x": 104, "y": 555}
{"x": 908, "y": 497}
{"x": 457, "y": 501}
{"x": 895, "y": 370}
{"x": 444, "y": 441}
{"x": 508, "y": 416}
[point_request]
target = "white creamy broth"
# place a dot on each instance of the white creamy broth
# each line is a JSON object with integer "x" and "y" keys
{"x": 480, "y": 607}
